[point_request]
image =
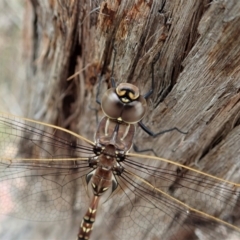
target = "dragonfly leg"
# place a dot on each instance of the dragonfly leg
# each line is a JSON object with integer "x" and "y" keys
{"x": 136, "y": 149}
{"x": 149, "y": 93}
{"x": 113, "y": 83}
{"x": 142, "y": 125}
{"x": 98, "y": 101}
{"x": 152, "y": 134}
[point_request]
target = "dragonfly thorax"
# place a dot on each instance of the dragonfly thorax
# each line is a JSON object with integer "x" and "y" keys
{"x": 124, "y": 103}
{"x": 101, "y": 179}
{"x": 110, "y": 132}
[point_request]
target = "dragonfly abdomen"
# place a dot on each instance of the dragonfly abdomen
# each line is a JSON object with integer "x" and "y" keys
{"x": 101, "y": 184}
{"x": 88, "y": 220}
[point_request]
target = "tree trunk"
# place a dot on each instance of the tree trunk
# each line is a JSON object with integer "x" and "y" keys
{"x": 196, "y": 76}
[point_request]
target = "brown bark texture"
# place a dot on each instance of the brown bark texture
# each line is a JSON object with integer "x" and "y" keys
{"x": 196, "y": 89}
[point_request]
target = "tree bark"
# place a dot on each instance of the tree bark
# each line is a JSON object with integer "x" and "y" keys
{"x": 196, "y": 77}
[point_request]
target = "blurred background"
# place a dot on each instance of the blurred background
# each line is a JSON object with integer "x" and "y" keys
{"x": 11, "y": 71}
{"x": 13, "y": 80}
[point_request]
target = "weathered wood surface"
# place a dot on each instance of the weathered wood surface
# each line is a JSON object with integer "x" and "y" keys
{"x": 196, "y": 77}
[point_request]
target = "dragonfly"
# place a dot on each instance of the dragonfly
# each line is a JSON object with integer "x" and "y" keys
{"x": 41, "y": 165}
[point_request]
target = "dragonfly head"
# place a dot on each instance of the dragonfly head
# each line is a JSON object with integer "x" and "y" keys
{"x": 124, "y": 103}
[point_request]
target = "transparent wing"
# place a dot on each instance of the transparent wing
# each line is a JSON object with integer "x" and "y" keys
{"x": 161, "y": 203}
{"x": 42, "y": 170}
